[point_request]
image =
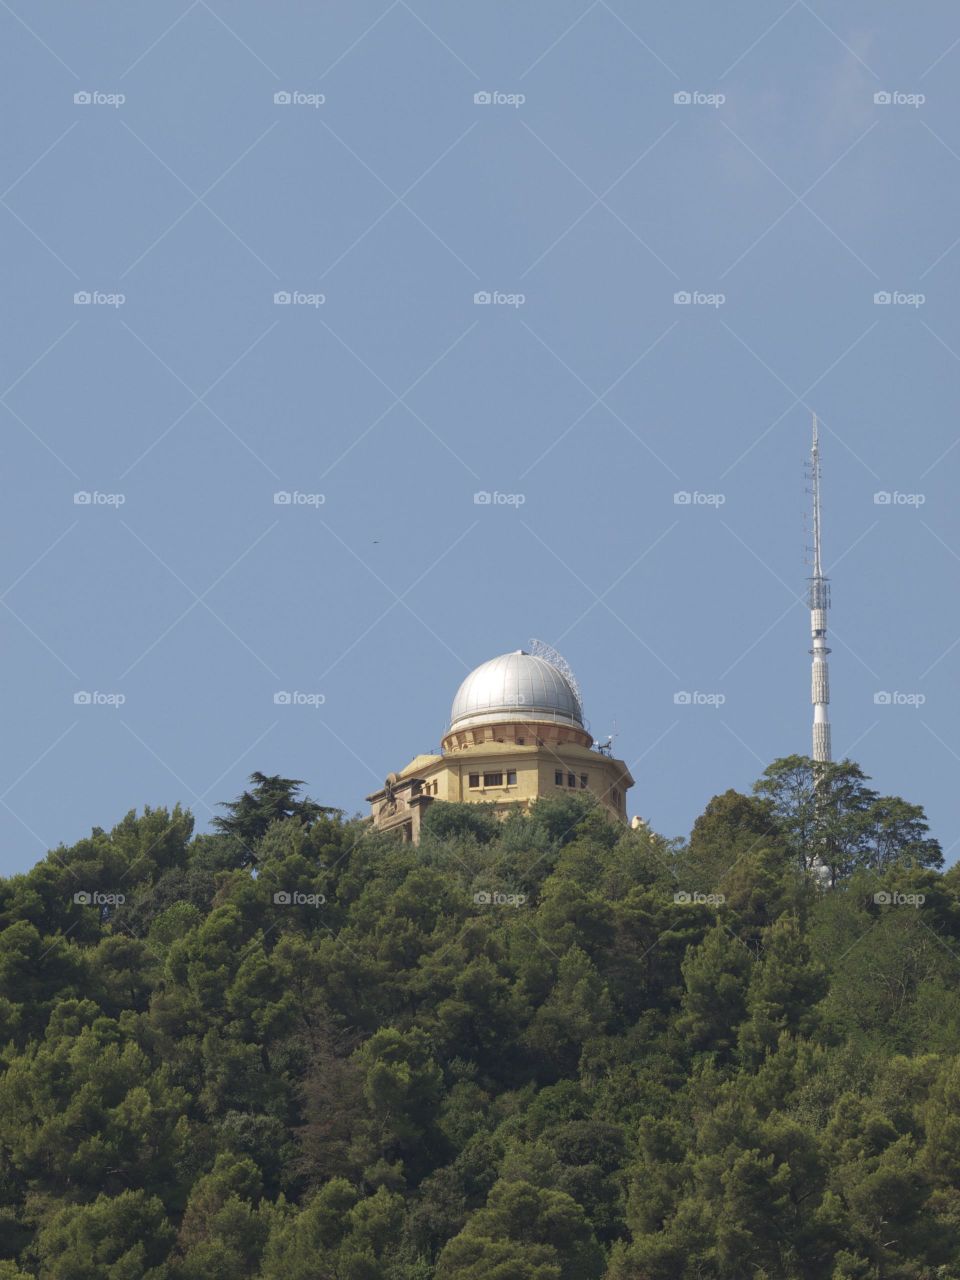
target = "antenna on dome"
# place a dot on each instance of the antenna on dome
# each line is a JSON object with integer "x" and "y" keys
{"x": 540, "y": 649}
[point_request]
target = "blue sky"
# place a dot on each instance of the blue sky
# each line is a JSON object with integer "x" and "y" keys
{"x": 584, "y": 196}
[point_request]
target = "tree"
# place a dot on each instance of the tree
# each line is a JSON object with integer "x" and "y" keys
{"x": 221, "y": 1234}
{"x": 125, "y": 1237}
{"x": 86, "y": 1110}
{"x": 444, "y": 820}
{"x": 339, "y": 1235}
{"x": 821, "y": 808}
{"x": 576, "y": 1009}
{"x": 739, "y": 849}
{"x": 828, "y": 813}
{"x": 897, "y": 834}
{"x": 731, "y": 827}
{"x": 548, "y": 1231}
{"x": 560, "y": 816}
{"x": 716, "y": 974}
{"x": 271, "y": 799}
{"x": 36, "y": 971}
{"x": 784, "y": 988}
{"x": 331, "y": 1096}
{"x": 402, "y": 1090}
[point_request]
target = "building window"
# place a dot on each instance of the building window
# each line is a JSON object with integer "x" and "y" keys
{"x": 474, "y": 779}
{"x": 493, "y": 779}
{"x": 616, "y": 798}
{"x": 511, "y": 777}
{"x": 583, "y": 780}
{"x": 558, "y": 777}
{"x": 571, "y": 779}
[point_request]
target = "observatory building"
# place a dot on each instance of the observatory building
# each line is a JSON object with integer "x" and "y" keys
{"x": 516, "y": 733}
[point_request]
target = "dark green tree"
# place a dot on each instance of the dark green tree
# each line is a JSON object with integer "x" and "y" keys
{"x": 717, "y": 976}
{"x": 828, "y": 813}
{"x": 550, "y": 1237}
{"x": 270, "y": 799}
{"x": 126, "y": 1237}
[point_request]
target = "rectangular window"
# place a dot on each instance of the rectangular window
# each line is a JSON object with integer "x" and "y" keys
{"x": 493, "y": 779}
{"x": 583, "y": 780}
{"x": 511, "y": 777}
{"x": 558, "y": 777}
{"x": 571, "y": 780}
{"x": 474, "y": 779}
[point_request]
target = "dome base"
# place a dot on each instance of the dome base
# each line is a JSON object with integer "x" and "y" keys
{"x": 519, "y": 732}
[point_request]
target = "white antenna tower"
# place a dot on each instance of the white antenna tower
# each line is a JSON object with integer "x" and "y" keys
{"x": 819, "y": 599}
{"x": 540, "y": 649}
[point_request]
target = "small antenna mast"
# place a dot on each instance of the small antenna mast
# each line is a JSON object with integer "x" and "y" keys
{"x": 606, "y": 748}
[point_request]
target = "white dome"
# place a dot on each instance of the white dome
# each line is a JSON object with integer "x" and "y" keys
{"x": 516, "y": 687}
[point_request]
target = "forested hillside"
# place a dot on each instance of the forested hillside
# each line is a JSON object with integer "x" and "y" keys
{"x": 544, "y": 1049}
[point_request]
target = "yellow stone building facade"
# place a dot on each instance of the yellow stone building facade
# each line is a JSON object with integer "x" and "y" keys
{"x": 516, "y": 733}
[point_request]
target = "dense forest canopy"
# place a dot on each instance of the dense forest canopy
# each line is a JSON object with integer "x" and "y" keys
{"x": 544, "y": 1048}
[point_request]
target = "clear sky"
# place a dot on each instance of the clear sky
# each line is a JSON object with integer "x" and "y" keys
{"x": 583, "y": 195}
